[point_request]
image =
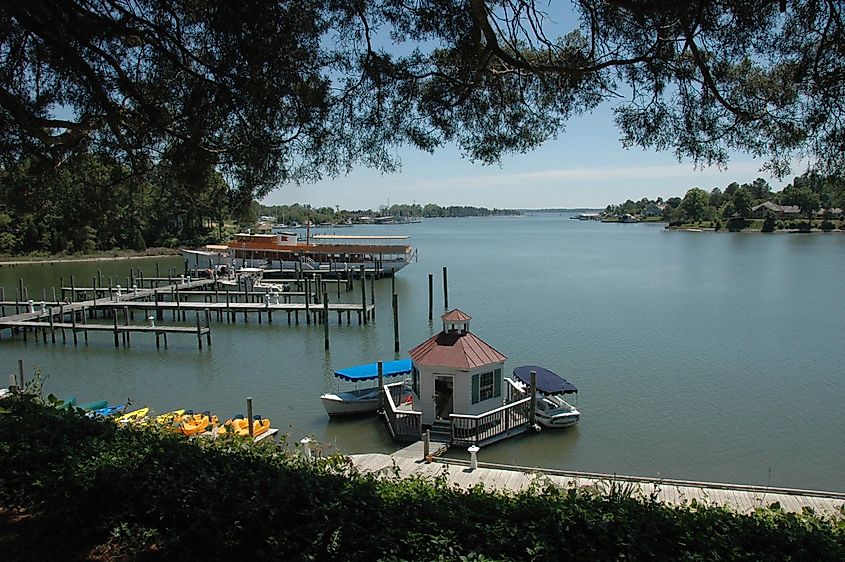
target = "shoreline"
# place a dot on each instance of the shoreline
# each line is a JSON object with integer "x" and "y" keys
{"x": 62, "y": 259}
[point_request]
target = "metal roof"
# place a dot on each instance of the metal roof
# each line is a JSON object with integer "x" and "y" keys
{"x": 456, "y": 315}
{"x": 460, "y": 350}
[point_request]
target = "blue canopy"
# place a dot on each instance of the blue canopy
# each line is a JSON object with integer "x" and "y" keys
{"x": 547, "y": 381}
{"x": 370, "y": 371}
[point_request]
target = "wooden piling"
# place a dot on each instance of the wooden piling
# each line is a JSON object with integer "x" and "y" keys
{"x": 73, "y": 326}
{"x": 116, "y": 342}
{"x": 62, "y": 320}
{"x": 373, "y": 295}
{"x": 307, "y": 298}
{"x": 395, "y": 323}
{"x": 326, "y": 320}
{"x": 20, "y": 373}
{"x": 430, "y": 296}
{"x": 52, "y": 329}
{"x": 85, "y": 325}
{"x": 199, "y": 331}
{"x": 208, "y": 326}
{"x": 249, "y": 414}
{"x": 72, "y": 289}
{"x": 363, "y": 295}
{"x": 445, "y": 289}
{"x": 380, "y": 387}
{"x": 532, "y": 414}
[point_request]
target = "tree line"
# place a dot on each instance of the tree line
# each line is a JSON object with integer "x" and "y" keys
{"x": 732, "y": 207}
{"x": 298, "y": 213}
{"x": 93, "y": 202}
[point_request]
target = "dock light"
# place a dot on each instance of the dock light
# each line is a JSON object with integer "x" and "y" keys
{"x": 134, "y": 289}
{"x": 473, "y": 458}
{"x": 306, "y": 446}
{"x": 30, "y": 305}
{"x": 118, "y": 291}
{"x": 152, "y": 321}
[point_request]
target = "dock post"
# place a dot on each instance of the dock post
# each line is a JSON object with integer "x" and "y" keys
{"x": 199, "y": 331}
{"x": 445, "y": 289}
{"x": 426, "y": 444}
{"x": 73, "y": 327}
{"x": 72, "y": 289}
{"x": 62, "y": 286}
{"x": 380, "y": 387}
{"x": 532, "y": 414}
{"x": 326, "y": 319}
{"x": 337, "y": 274}
{"x": 430, "y": 296}
{"x": 363, "y": 295}
{"x": 395, "y": 323}
{"x": 249, "y": 414}
{"x": 157, "y": 271}
{"x": 126, "y": 336}
{"x": 208, "y": 327}
{"x": 20, "y": 372}
{"x": 3, "y": 299}
{"x": 85, "y": 324}
{"x": 61, "y": 321}
{"x": 116, "y": 342}
{"x": 373, "y": 294}
{"x": 307, "y": 298}
{"x": 52, "y": 329}
{"x": 20, "y": 289}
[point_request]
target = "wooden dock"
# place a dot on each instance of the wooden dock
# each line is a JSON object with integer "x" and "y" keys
{"x": 504, "y": 478}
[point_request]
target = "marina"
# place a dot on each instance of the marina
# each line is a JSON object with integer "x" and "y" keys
{"x": 671, "y": 338}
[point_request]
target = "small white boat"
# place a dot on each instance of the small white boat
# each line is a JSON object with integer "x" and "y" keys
{"x": 362, "y": 400}
{"x": 551, "y": 410}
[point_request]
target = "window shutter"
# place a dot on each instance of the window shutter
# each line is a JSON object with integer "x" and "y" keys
{"x": 475, "y": 388}
{"x": 497, "y": 383}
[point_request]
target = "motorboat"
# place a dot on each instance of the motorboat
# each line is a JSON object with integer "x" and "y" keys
{"x": 551, "y": 409}
{"x": 362, "y": 400}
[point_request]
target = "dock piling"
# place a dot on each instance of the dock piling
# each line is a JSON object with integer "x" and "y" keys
{"x": 326, "y": 319}
{"x": 395, "y": 323}
{"x": 430, "y": 296}
{"x": 445, "y": 289}
{"x": 249, "y": 414}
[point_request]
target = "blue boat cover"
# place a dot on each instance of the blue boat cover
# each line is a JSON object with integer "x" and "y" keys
{"x": 547, "y": 381}
{"x": 370, "y": 371}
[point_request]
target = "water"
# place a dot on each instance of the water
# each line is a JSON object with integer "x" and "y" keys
{"x": 697, "y": 355}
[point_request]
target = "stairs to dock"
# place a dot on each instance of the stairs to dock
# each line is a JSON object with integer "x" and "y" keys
{"x": 441, "y": 431}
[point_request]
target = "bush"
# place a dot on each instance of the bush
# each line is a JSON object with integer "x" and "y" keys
{"x": 827, "y": 225}
{"x": 146, "y": 494}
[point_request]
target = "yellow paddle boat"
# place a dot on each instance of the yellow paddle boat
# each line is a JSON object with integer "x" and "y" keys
{"x": 192, "y": 424}
{"x": 240, "y": 426}
{"x": 135, "y": 416}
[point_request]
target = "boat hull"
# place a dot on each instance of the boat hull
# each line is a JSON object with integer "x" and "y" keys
{"x": 354, "y": 403}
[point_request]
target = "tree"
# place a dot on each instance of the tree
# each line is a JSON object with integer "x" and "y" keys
{"x": 742, "y": 202}
{"x": 694, "y": 204}
{"x": 716, "y": 197}
{"x": 805, "y": 199}
{"x": 769, "y": 222}
{"x": 269, "y": 92}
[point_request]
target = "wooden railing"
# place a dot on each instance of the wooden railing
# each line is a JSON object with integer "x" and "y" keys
{"x": 404, "y": 425}
{"x": 491, "y": 426}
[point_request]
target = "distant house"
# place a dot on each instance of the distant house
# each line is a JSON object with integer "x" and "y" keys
{"x": 759, "y": 211}
{"x": 782, "y": 211}
{"x": 654, "y": 209}
{"x": 835, "y": 212}
{"x": 628, "y": 218}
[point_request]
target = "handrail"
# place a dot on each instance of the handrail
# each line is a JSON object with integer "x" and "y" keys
{"x": 491, "y": 412}
{"x": 403, "y": 424}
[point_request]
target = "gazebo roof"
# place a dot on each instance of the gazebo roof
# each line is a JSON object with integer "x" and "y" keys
{"x": 456, "y": 315}
{"x": 457, "y": 350}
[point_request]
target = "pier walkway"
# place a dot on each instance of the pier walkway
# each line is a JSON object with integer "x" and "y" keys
{"x": 505, "y": 478}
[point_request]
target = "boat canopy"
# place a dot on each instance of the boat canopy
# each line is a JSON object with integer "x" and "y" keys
{"x": 370, "y": 370}
{"x": 547, "y": 381}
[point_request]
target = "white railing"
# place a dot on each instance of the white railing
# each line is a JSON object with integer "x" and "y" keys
{"x": 491, "y": 426}
{"x": 404, "y": 425}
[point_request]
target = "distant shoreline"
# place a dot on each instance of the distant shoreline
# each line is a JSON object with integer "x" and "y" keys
{"x": 10, "y": 261}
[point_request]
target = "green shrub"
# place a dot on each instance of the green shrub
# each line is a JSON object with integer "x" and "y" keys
{"x": 148, "y": 494}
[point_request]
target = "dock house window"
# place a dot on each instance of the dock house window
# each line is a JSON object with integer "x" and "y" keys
{"x": 415, "y": 381}
{"x": 486, "y": 386}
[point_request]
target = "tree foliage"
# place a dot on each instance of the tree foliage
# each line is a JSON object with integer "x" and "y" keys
{"x": 268, "y": 92}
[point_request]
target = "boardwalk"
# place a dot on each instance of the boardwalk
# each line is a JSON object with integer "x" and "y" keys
{"x": 742, "y": 499}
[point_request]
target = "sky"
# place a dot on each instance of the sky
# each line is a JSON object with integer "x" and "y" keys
{"x": 585, "y": 167}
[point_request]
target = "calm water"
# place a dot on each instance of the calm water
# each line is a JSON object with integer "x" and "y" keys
{"x": 697, "y": 355}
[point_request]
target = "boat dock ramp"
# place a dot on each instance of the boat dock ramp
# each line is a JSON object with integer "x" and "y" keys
{"x": 410, "y": 462}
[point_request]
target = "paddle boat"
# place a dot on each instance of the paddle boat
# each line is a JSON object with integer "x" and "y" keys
{"x": 239, "y": 426}
{"x": 135, "y": 416}
{"x": 551, "y": 410}
{"x": 193, "y": 424}
{"x": 104, "y": 411}
{"x": 362, "y": 400}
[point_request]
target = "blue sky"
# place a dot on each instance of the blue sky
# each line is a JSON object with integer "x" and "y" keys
{"x": 585, "y": 166}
